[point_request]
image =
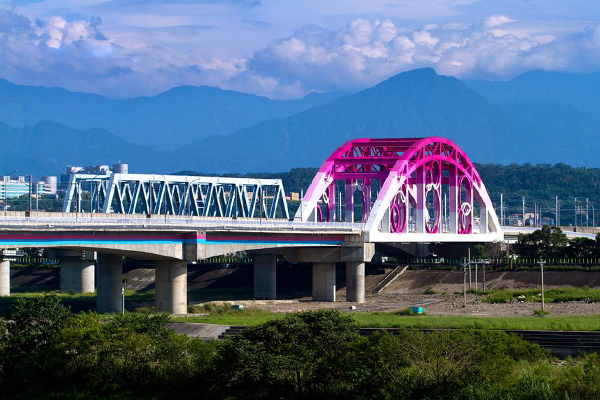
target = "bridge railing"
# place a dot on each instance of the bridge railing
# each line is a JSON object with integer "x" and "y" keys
{"x": 169, "y": 221}
{"x": 503, "y": 264}
{"x": 526, "y": 229}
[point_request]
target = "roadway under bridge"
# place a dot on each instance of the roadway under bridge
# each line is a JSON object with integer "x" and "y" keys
{"x": 368, "y": 192}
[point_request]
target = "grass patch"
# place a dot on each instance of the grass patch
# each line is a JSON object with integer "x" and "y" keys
{"x": 225, "y": 315}
{"x": 407, "y": 312}
{"x": 429, "y": 291}
{"x": 401, "y": 319}
{"x": 389, "y": 320}
{"x": 540, "y": 313}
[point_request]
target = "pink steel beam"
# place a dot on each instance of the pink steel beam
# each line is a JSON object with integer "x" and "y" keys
{"x": 411, "y": 170}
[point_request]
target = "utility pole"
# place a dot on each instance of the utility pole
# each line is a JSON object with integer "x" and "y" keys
{"x": 485, "y": 262}
{"x": 469, "y": 264}
{"x": 575, "y": 214}
{"x": 587, "y": 212}
{"x": 464, "y": 284}
{"x": 556, "y": 222}
{"x": 523, "y": 210}
{"x": 542, "y": 262}
{"x": 476, "y": 267}
{"x": 302, "y": 197}
{"x": 30, "y": 193}
{"x": 501, "y": 209}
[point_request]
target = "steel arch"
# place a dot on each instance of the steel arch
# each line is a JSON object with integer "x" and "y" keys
{"x": 409, "y": 171}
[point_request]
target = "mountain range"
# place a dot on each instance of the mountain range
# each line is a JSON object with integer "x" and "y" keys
{"x": 538, "y": 117}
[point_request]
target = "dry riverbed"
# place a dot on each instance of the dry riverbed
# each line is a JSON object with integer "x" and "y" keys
{"x": 437, "y": 304}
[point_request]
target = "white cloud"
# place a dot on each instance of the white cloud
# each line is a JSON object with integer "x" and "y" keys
{"x": 497, "y": 20}
{"x": 85, "y": 55}
{"x": 367, "y": 51}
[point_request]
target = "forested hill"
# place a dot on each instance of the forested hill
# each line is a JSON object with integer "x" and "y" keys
{"x": 537, "y": 183}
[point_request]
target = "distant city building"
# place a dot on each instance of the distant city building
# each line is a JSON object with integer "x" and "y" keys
{"x": 119, "y": 168}
{"x": 50, "y": 184}
{"x": 515, "y": 220}
{"x": 293, "y": 196}
{"x": 11, "y": 188}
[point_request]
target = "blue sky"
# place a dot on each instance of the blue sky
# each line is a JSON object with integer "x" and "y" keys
{"x": 287, "y": 48}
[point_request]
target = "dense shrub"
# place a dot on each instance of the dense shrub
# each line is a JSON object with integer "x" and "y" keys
{"x": 46, "y": 352}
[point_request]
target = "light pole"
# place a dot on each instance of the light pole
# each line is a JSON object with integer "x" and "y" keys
{"x": 150, "y": 195}
{"x": 542, "y": 262}
{"x": 575, "y": 214}
{"x": 124, "y": 283}
{"x": 464, "y": 283}
{"x": 191, "y": 192}
{"x": 29, "y": 207}
{"x": 260, "y": 199}
{"x": 523, "y": 210}
{"x": 165, "y": 189}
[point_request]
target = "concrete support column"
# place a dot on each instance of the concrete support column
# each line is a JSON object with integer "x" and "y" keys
{"x": 110, "y": 275}
{"x": 265, "y": 276}
{"x": 77, "y": 276}
{"x": 171, "y": 286}
{"x": 4, "y": 278}
{"x": 355, "y": 282}
{"x": 323, "y": 281}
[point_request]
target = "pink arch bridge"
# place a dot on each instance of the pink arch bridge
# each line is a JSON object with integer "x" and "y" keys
{"x": 403, "y": 190}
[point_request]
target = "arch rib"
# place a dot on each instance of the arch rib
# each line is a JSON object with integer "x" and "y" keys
{"x": 409, "y": 205}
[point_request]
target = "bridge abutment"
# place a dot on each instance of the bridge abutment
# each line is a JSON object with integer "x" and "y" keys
{"x": 171, "y": 286}
{"x": 110, "y": 275}
{"x": 355, "y": 282}
{"x": 323, "y": 281}
{"x": 4, "y": 278}
{"x": 265, "y": 276}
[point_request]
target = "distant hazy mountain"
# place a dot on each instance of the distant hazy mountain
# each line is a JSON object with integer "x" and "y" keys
{"x": 520, "y": 121}
{"x": 579, "y": 91}
{"x": 48, "y": 147}
{"x": 412, "y": 104}
{"x": 168, "y": 120}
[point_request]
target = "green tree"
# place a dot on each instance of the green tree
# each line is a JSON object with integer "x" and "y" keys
{"x": 306, "y": 355}
{"x": 547, "y": 242}
{"x": 27, "y": 353}
{"x": 479, "y": 251}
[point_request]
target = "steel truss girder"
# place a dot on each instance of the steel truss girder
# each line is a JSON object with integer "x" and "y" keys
{"x": 177, "y": 195}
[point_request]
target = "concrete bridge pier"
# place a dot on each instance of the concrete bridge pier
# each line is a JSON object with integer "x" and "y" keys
{"x": 4, "y": 278}
{"x": 265, "y": 276}
{"x": 323, "y": 281}
{"x": 171, "y": 286}
{"x": 77, "y": 273}
{"x": 110, "y": 276}
{"x": 355, "y": 282}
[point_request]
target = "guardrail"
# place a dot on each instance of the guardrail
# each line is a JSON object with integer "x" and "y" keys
{"x": 176, "y": 221}
{"x": 524, "y": 229}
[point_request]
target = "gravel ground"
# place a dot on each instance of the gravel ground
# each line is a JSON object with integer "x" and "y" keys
{"x": 437, "y": 304}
